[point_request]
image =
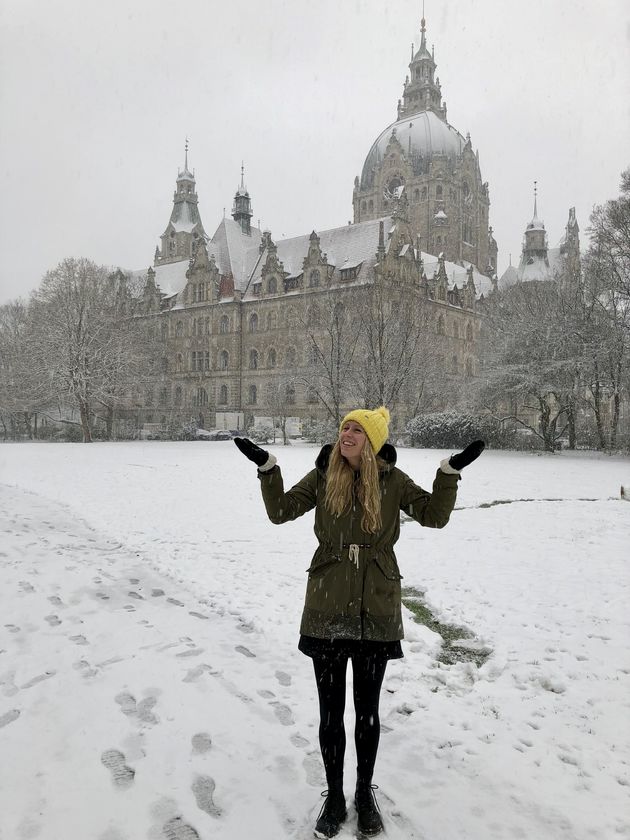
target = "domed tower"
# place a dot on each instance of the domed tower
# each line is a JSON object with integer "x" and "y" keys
{"x": 184, "y": 230}
{"x": 425, "y": 157}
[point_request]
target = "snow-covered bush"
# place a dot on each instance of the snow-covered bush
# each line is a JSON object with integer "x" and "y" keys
{"x": 445, "y": 429}
{"x": 319, "y": 431}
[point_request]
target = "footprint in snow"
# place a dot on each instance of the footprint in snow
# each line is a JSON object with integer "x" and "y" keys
{"x": 122, "y": 774}
{"x": 201, "y": 743}
{"x": 39, "y": 678}
{"x": 177, "y": 829}
{"x": 79, "y": 640}
{"x": 55, "y": 600}
{"x": 135, "y": 595}
{"x": 156, "y": 593}
{"x": 283, "y": 678}
{"x": 12, "y": 628}
{"x": 53, "y": 620}
{"x": 190, "y": 652}
{"x": 175, "y": 602}
{"x": 283, "y": 713}
{"x": 245, "y": 651}
{"x": 194, "y": 673}
{"x": 203, "y": 790}
{"x": 25, "y": 586}
{"x": 9, "y": 717}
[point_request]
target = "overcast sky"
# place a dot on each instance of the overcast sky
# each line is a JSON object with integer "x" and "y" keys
{"x": 97, "y": 99}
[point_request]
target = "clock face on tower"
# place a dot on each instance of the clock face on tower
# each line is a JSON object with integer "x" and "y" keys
{"x": 393, "y": 187}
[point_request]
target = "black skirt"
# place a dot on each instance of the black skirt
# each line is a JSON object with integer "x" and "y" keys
{"x": 347, "y": 648}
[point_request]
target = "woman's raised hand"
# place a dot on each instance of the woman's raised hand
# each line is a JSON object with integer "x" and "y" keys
{"x": 467, "y": 456}
{"x": 250, "y": 450}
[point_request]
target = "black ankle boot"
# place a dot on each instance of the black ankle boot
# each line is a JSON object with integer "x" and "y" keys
{"x": 333, "y": 813}
{"x": 369, "y": 822}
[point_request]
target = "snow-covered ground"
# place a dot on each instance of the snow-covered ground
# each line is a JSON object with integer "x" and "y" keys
{"x": 150, "y": 685}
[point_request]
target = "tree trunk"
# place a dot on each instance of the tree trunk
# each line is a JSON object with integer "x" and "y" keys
{"x": 109, "y": 421}
{"x": 85, "y": 421}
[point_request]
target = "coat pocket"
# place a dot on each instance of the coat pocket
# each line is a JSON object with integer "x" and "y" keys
{"x": 321, "y": 561}
{"x": 388, "y": 566}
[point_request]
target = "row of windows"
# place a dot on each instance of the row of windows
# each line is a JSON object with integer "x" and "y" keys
{"x": 423, "y": 195}
{"x": 200, "y": 360}
{"x": 199, "y": 397}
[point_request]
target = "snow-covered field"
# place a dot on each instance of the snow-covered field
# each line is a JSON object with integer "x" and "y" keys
{"x": 150, "y": 685}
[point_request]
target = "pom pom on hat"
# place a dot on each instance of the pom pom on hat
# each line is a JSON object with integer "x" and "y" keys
{"x": 375, "y": 424}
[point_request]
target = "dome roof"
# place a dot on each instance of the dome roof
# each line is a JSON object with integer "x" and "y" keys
{"x": 424, "y": 132}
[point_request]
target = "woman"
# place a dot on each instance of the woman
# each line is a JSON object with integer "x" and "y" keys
{"x": 353, "y": 608}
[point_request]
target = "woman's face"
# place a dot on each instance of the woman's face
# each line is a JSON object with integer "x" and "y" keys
{"x": 352, "y": 439}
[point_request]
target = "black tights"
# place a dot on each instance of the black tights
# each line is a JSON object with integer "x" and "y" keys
{"x": 330, "y": 672}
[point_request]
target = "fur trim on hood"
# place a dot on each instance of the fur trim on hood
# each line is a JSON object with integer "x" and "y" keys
{"x": 387, "y": 453}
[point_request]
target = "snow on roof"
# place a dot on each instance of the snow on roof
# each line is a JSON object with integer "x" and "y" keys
{"x": 235, "y": 252}
{"x": 458, "y": 274}
{"x": 345, "y": 247}
{"x": 171, "y": 277}
{"x": 440, "y": 215}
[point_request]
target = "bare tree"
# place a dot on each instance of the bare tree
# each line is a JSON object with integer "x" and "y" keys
{"x": 20, "y": 395}
{"x": 332, "y": 335}
{"x": 85, "y": 346}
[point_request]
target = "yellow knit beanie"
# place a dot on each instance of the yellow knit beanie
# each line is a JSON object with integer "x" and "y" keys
{"x": 374, "y": 424}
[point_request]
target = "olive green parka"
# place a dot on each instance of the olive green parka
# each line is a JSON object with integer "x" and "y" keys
{"x": 353, "y": 588}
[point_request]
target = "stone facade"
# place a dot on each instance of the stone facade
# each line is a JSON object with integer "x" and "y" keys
{"x": 425, "y": 157}
{"x": 244, "y": 321}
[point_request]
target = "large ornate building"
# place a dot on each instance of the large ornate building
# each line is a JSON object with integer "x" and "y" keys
{"x": 243, "y": 319}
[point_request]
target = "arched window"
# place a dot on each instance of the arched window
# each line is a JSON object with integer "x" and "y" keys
{"x": 314, "y": 278}
{"x": 164, "y": 330}
{"x": 178, "y": 396}
{"x": 224, "y": 360}
{"x": 179, "y": 365}
{"x": 290, "y": 392}
{"x": 179, "y": 329}
{"x": 469, "y": 367}
{"x": 223, "y": 395}
{"x": 271, "y": 358}
{"x": 224, "y": 324}
{"x": 272, "y": 285}
{"x": 371, "y": 205}
{"x": 469, "y": 332}
{"x": 363, "y": 206}
{"x": 163, "y": 396}
{"x": 253, "y": 359}
{"x": 438, "y": 191}
{"x": 200, "y": 398}
{"x": 416, "y": 194}
{"x": 454, "y": 365}
{"x": 207, "y": 326}
{"x": 272, "y": 321}
{"x": 311, "y": 395}
{"x": 440, "y": 325}
{"x": 252, "y": 394}
{"x": 253, "y": 322}
{"x": 290, "y": 357}
{"x": 424, "y": 193}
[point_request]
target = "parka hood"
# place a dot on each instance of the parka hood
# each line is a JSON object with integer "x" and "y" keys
{"x": 386, "y": 453}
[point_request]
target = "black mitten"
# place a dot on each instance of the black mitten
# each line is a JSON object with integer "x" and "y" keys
{"x": 250, "y": 450}
{"x": 467, "y": 456}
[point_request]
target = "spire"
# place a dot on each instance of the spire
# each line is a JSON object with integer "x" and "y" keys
{"x": 421, "y": 90}
{"x": 185, "y": 229}
{"x": 535, "y": 219}
{"x": 242, "y": 208}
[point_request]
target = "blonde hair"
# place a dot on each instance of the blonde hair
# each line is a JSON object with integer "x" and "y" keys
{"x": 339, "y": 487}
